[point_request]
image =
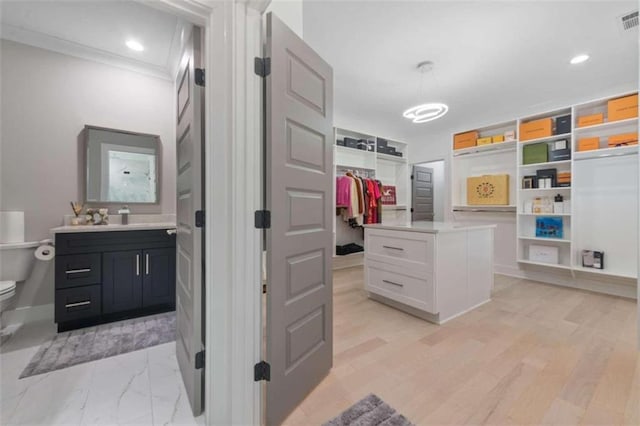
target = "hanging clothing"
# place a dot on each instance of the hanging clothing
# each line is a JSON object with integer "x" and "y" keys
{"x": 343, "y": 191}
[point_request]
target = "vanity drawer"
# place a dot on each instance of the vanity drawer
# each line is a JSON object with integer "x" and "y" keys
{"x": 392, "y": 282}
{"x": 416, "y": 248}
{"x": 78, "y": 303}
{"x": 78, "y": 269}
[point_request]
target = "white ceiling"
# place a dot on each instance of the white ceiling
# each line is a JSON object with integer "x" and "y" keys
{"x": 98, "y": 30}
{"x": 492, "y": 58}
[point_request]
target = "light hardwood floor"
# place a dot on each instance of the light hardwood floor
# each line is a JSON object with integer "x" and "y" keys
{"x": 537, "y": 354}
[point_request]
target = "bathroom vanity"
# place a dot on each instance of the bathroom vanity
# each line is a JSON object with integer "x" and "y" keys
{"x": 112, "y": 272}
{"x": 433, "y": 270}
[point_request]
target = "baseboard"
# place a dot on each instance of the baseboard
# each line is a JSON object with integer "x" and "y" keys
{"x": 28, "y": 314}
{"x": 621, "y": 287}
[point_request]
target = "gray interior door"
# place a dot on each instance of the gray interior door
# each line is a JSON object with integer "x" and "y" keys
{"x": 422, "y": 194}
{"x": 189, "y": 252}
{"x": 299, "y": 122}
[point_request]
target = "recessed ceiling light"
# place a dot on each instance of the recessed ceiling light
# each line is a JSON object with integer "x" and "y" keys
{"x": 426, "y": 112}
{"x": 134, "y": 45}
{"x": 579, "y": 59}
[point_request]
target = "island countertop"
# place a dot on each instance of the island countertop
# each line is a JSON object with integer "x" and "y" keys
{"x": 431, "y": 227}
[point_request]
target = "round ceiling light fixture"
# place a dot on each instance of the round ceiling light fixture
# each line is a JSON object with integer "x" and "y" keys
{"x": 426, "y": 112}
{"x": 134, "y": 45}
{"x": 578, "y": 59}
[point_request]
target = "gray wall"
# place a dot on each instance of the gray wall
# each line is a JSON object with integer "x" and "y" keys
{"x": 47, "y": 98}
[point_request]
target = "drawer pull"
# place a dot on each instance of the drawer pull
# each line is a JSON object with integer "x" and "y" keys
{"x": 137, "y": 265}
{"x": 392, "y": 283}
{"x": 73, "y": 305}
{"x": 171, "y": 231}
{"x": 147, "y": 264}
{"x": 393, "y": 248}
{"x": 78, "y": 271}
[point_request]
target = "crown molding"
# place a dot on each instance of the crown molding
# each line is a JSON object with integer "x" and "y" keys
{"x": 66, "y": 47}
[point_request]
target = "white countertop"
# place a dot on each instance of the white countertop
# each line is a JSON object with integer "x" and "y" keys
{"x": 430, "y": 227}
{"x": 114, "y": 227}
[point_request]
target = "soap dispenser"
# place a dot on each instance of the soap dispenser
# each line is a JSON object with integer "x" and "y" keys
{"x": 124, "y": 214}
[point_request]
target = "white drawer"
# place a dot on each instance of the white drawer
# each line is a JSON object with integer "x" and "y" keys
{"x": 392, "y": 282}
{"x": 411, "y": 246}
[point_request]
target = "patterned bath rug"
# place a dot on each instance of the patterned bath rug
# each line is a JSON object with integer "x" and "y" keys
{"x": 369, "y": 411}
{"x": 102, "y": 341}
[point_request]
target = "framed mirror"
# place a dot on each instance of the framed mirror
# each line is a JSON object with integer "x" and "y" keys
{"x": 121, "y": 166}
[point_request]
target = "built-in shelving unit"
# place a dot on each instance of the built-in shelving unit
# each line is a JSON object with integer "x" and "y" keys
{"x": 603, "y": 211}
{"x": 389, "y": 169}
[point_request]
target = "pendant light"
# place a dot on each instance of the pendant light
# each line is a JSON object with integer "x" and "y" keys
{"x": 426, "y": 112}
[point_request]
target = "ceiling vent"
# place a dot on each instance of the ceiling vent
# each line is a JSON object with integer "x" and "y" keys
{"x": 628, "y": 21}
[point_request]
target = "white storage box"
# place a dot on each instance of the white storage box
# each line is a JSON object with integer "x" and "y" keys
{"x": 543, "y": 254}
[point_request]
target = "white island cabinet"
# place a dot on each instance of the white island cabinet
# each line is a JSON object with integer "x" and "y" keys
{"x": 434, "y": 270}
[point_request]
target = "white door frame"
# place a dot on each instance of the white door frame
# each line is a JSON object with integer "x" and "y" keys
{"x": 233, "y": 167}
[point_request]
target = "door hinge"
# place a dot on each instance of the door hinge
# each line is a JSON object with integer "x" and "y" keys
{"x": 263, "y": 219}
{"x": 199, "y": 218}
{"x": 411, "y": 209}
{"x": 200, "y": 360}
{"x": 200, "y": 77}
{"x": 262, "y": 66}
{"x": 264, "y": 289}
{"x": 262, "y": 371}
{"x": 411, "y": 177}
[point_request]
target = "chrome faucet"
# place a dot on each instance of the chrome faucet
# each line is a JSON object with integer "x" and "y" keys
{"x": 124, "y": 214}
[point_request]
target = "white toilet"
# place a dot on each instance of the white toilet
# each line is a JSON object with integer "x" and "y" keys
{"x": 16, "y": 256}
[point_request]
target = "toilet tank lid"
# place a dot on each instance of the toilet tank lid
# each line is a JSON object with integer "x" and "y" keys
{"x": 29, "y": 244}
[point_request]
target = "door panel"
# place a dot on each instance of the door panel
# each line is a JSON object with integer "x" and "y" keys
{"x": 422, "y": 194}
{"x": 122, "y": 281}
{"x": 299, "y": 125}
{"x": 189, "y": 272}
{"x": 158, "y": 283}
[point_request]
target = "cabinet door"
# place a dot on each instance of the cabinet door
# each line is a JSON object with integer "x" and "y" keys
{"x": 159, "y": 279}
{"x": 122, "y": 281}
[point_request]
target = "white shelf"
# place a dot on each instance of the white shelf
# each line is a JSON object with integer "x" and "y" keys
{"x": 351, "y": 150}
{"x": 484, "y": 149}
{"x": 548, "y": 163}
{"x": 394, "y": 207}
{"x": 551, "y": 240}
{"x": 555, "y": 188}
{"x": 604, "y": 272}
{"x": 546, "y": 214}
{"x": 607, "y": 126}
{"x": 498, "y": 209}
{"x": 546, "y": 139}
{"x": 393, "y": 158}
{"x": 606, "y": 152}
{"x": 551, "y": 265}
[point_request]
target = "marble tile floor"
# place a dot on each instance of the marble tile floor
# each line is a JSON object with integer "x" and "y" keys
{"x": 138, "y": 388}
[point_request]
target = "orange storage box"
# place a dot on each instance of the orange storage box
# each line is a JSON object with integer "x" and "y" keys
{"x": 465, "y": 140}
{"x": 588, "y": 144}
{"x": 590, "y": 120}
{"x": 536, "y": 129}
{"x": 622, "y": 108}
{"x": 623, "y": 139}
{"x": 497, "y": 138}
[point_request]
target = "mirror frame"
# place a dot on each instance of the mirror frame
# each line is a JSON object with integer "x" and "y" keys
{"x": 84, "y": 158}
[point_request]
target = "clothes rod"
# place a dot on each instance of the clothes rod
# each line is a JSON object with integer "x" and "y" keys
{"x": 482, "y": 153}
{"x": 595, "y": 157}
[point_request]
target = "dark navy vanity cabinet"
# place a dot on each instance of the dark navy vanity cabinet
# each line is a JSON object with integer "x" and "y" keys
{"x": 112, "y": 275}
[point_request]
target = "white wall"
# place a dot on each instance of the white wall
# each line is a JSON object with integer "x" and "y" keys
{"x": 290, "y": 12}
{"x": 440, "y": 189}
{"x": 47, "y": 98}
